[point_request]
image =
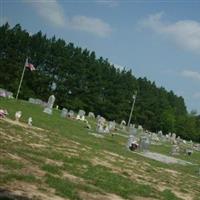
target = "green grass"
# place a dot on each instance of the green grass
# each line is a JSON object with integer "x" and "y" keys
{"x": 16, "y": 176}
{"x": 51, "y": 169}
{"x": 63, "y": 187}
{"x": 115, "y": 183}
{"x": 11, "y": 164}
{"x": 64, "y": 135}
{"x": 168, "y": 195}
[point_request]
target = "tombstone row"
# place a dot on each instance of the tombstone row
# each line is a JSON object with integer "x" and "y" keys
{"x": 6, "y": 94}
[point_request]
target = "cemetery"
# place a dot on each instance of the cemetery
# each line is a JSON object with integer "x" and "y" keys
{"x": 71, "y": 151}
{"x": 76, "y": 126}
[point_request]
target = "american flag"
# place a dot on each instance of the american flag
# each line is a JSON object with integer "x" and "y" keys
{"x": 29, "y": 65}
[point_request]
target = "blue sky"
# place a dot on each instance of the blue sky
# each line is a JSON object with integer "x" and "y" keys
{"x": 156, "y": 39}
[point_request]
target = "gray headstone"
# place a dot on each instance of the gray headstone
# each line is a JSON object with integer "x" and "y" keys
{"x": 31, "y": 100}
{"x": 91, "y": 115}
{"x": 144, "y": 143}
{"x": 50, "y": 103}
{"x": 100, "y": 128}
{"x": 132, "y": 130}
{"x": 71, "y": 113}
{"x": 64, "y": 112}
{"x": 111, "y": 125}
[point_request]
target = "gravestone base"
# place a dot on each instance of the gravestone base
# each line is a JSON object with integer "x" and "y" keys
{"x": 48, "y": 111}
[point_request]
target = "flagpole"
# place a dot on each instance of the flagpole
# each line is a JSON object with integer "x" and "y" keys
{"x": 20, "y": 83}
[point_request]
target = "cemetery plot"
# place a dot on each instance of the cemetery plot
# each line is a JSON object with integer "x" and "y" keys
{"x": 56, "y": 158}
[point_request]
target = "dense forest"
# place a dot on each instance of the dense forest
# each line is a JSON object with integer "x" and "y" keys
{"x": 85, "y": 81}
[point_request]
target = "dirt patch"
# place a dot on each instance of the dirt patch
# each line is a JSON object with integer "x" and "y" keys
{"x": 16, "y": 157}
{"x": 172, "y": 172}
{"x": 33, "y": 145}
{"x": 97, "y": 196}
{"x": 97, "y": 161}
{"x": 29, "y": 191}
{"x": 22, "y": 124}
{"x": 8, "y": 137}
{"x": 114, "y": 155}
{"x": 34, "y": 170}
{"x": 185, "y": 196}
{"x": 73, "y": 178}
{"x": 143, "y": 198}
{"x": 54, "y": 162}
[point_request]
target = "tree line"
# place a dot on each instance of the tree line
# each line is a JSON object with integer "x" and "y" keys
{"x": 81, "y": 80}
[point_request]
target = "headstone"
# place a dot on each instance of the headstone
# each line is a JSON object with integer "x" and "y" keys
{"x": 18, "y": 115}
{"x": 38, "y": 101}
{"x": 144, "y": 143}
{"x": 132, "y": 130}
{"x": 175, "y": 150}
{"x": 71, "y": 114}
{"x": 50, "y": 103}
{"x": 9, "y": 95}
{"x": 189, "y": 151}
{"x": 5, "y": 93}
{"x": 191, "y": 144}
{"x": 81, "y": 113}
{"x": 111, "y": 125}
{"x": 31, "y": 100}
{"x": 2, "y": 93}
{"x": 160, "y": 134}
{"x": 78, "y": 117}
{"x": 101, "y": 120}
{"x": 106, "y": 129}
{"x": 64, "y": 113}
{"x": 132, "y": 143}
{"x": 91, "y": 115}
{"x": 82, "y": 118}
{"x": 155, "y": 137}
{"x": 100, "y": 128}
{"x": 173, "y": 138}
{"x": 140, "y": 130}
{"x": 3, "y": 113}
{"x": 123, "y": 125}
{"x": 88, "y": 126}
{"x": 179, "y": 140}
{"x": 30, "y": 120}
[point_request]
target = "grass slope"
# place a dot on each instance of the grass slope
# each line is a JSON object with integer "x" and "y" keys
{"x": 58, "y": 159}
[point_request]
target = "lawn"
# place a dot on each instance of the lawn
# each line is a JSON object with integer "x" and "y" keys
{"x": 57, "y": 158}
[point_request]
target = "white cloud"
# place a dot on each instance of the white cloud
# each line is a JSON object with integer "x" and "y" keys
{"x": 91, "y": 25}
{"x": 50, "y": 10}
{"x": 186, "y": 33}
{"x": 109, "y": 3}
{"x": 191, "y": 74}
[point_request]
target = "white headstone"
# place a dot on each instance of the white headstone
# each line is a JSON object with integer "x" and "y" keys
{"x": 106, "y": 129}
{"x": 30, "y": 121}
{"x": 18, "y": 115}
{"x": 82, "y": 118}
{"x": 81, "y": 113}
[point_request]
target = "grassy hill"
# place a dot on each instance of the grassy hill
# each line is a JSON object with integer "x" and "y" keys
{"x": 60, "y": 159}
